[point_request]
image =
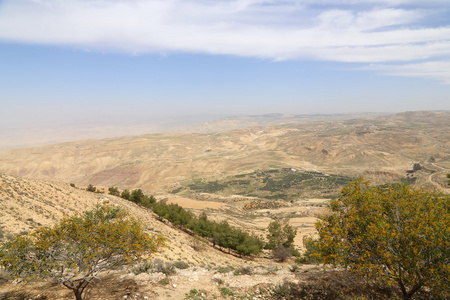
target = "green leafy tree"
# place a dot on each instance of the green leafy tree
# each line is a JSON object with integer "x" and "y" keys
{"x": 280, "y": 235}
{"x": 137, "y": 196}
{"x": 76, "y": 250}
{"x": 395, "y": 233}
{"x": 114, "y": 191}
{"x": 448, "y": 176}
{"x": 249, "y": 245}
{"x": 125, "y": 194}
{"x": 91, "y": 188}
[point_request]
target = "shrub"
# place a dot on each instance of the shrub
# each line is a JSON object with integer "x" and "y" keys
{"x": 281, "y": 253}
{"x": 181, "y": 265}
{"x": 114, "y": 191}
{"x": 312, "y": 253}
{"x": 91, "y": 188}
{"x": 243, "y": 271}
{"x": 142, "y": 268}
{"x": 161, "y": 266}
{"x": 226, "y": 291}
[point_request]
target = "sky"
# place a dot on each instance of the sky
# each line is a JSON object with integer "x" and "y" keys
{"x": 110, "y": 62}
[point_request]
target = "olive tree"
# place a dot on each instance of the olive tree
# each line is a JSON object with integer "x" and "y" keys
{"x": 396, "y": 233}
{"x": 281, "y": 240}
{"x": 76, "y": 250}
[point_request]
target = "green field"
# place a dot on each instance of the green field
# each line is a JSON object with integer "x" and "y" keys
{"x": 286, "y": 184}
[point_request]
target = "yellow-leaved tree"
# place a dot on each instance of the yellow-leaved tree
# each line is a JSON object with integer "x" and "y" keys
{"x": 395, "y": 233}
{"x": 77, "y": 249}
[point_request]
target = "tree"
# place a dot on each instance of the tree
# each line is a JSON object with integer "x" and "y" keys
{"x": 137, "y": 196}
{"x": 114, "y": 191}
{"x": 281, "y": 240}
{"x": 395, "y": 233}
{"x": 91, "y": 188}
{"x": 448, "y": 176}
{"x": 249, "y": 245}
{"x": 78, "y": 248}
{"x": 280, "y": 235}
{"x": 125, "y": 194}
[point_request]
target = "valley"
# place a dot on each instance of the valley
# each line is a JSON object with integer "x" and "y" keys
{"x": 247, "y": 177}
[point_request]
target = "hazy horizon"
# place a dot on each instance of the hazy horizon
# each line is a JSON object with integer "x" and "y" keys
{"x": 78, "y": 66}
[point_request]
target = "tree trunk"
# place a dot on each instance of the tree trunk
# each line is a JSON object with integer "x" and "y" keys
{"x": 78, "y": 294}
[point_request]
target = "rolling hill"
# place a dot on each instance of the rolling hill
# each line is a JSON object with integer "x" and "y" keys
{"x": 381, "y": 148}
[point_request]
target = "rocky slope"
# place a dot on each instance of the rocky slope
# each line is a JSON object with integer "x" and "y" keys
{"x": 381, "y": 148}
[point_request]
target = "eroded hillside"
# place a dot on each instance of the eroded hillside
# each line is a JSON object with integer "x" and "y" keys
{"x": 380, "y": 148}
{"x": 26, "y": 204}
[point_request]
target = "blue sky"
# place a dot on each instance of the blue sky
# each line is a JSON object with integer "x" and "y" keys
{"x": 143, "y": 60}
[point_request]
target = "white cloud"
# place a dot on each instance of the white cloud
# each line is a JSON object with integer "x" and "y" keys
{"x": 336, "y": 30}
{"x": 436, "y": 70}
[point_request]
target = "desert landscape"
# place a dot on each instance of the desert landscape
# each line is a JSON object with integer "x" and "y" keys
{"x": 247, "y": 177}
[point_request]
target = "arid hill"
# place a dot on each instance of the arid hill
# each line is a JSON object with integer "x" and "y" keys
{"x": 381, "y": 148}
{"x": 211, "y": 273}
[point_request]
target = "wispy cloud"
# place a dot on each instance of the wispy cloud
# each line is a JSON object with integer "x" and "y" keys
{"x": 436, "y": 70}
{"x": 366, "y": 31}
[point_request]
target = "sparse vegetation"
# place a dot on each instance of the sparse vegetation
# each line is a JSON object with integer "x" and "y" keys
{"x": 77, "y": 249}
{"x": 114, "y": 191}
{"x": 226, "y": 291}
{"x": 273, "y": 184}
{"x": 181, "y": 265}
{"x": 195, "y": 294}
{"x": 312, "y": 253}
{"x": 221, "y": 234}
{"x": 164, "y": 267}
{"x": 397, "y": 234}
{"x": 91, "y": 188}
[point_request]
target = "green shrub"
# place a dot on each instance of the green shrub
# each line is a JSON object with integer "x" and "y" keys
{"x": 181, "y": 265}
{"x": 226, "y": 291}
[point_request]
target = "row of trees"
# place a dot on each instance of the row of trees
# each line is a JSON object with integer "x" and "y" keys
{"x": 280, "y": 237}
{"x": 221, "y": 234}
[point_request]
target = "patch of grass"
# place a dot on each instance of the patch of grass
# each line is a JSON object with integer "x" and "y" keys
{"x": 243, "y": 271}
{"x": 195, "y": 294}
{"x": 226, "y": 269}
{"x": 226, "y": 291}
{"x": 181, "y": 265}
{"x": 142, "y": 268}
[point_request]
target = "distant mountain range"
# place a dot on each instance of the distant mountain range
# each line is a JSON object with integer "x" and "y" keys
{"x": 380, "y": 147}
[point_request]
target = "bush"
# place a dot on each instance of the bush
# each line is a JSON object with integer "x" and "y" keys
{"x": 226, "y": 291}
{"x": 312, "y": 253}
{"x": 281, "y": 253}
{"x": 181, "y": 265}
{"x": 91, "y": 188}
{"x": 142, "y": 268}
{"x": 243, "y": 271}
{"x": 161, "y": 266}
{"x": 114, "y": 191}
